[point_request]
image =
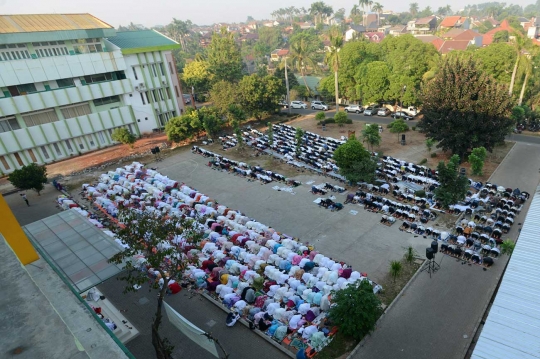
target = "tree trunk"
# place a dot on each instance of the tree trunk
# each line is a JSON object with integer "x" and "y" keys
{"x": 304, "y": 78}
{"x": 511, "y": 88}
{"x": 163, "y": 350}
{"x": 523, "y": 89}
{"x": 336, "y": 90}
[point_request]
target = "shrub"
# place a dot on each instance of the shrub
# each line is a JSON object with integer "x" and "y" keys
{"x": 420, "y": 193}
{"x": 410, "y": 254}
{"x": 414, "y": 128}
{"x": 340, "y": 118}
{"x": 320, "y": 116}
{"x": 395, "y": 269}
{"x": 123, "y": 135}
{"x": 423, "y": 161}
{"x": 330, "y": 120}
{"x": 433, "y": 155}
{"x": 349, "y": 121}
{"x": 507, "y": 246}
{"x": 390, "y": 125}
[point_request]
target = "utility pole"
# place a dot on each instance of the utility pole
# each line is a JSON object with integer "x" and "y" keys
{"x": 287, "y": 86}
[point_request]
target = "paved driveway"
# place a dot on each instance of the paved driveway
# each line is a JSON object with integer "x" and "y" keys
{"x": 436, "y": 318}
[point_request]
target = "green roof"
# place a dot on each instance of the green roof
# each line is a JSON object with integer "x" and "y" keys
{"x": 131, "y": 42}
{"x": 312, "y": 82}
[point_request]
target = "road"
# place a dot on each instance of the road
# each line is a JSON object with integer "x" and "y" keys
{"x": 388, "y": 119}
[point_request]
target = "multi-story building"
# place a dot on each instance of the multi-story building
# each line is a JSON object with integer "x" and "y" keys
{"x": 68, "y": 80}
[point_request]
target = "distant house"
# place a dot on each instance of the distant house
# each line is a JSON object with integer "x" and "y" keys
{"x": 372, "y": 26}
{"x": 425, "y": 25}
{"x": 488, "y": 36}
{"x": 533, "y": 29}
{"x": 306, "y": 25}
{"x": 271, "y": 23}
{"x": 374, "y": 36}
{"x": 450, "y": 45}
{"x": 397, "y": 30}
{"x": 473, "y": 37}
{"x": 278, "y": 54}
{"x": 453, "y": 22}
{"x": 427, "y": 38}
{"x": 354, "y": 32}
{"x": 249, "y": 37}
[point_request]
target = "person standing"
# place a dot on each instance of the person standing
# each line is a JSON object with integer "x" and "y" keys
{"x": 23, "y": 195}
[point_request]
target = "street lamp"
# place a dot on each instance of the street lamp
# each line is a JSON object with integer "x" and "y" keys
{"x": 402, "y": 93}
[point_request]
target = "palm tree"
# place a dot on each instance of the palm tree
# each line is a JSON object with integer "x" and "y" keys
{"x": 528, "y": 60}
{"x": 301, "y": 57}
{"x": 519, "y": 44}
{"x": 378, "y": 8}
{"x": 332, "y": 57}
{"x": 364, "y": 4}
{"x": 413, "y": 8}
{"x": 371, "y": 135}
{"x": 395, "y": 269}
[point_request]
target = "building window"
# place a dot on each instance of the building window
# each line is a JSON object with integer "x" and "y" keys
{"x": 85, "y": 46}
{"x": 68, "y": 144}
{"x": 154, "y": 70}
{"x": 57, "y": 149}
{"x": 160, "y": 91}
{"x": 142, "y": 98}
{"x": 18, "y": 158}
{"x": 4, "y": 163}
{"x": 51, "y": 48}
{"x": 168, "y": 92}
{"x": 80, "y": 143}
{"x": 147, "y": 98}
{"x": 171, "y": 68}
{"x": 8, "y": 124}
{"x": 65, "y": 83}
{"x": 176, "y": 90}
{"x": 106, "y": 100}
{"x": 39, "y": 118}
{"x": 45, "y": 153}
{"x": 135, "y": 73}
{"x": 98, "y": 78}
{"x": 162, "y": 69}
{"x": 26, "y": 89}
{"x": 101, "y": 137}
{"x": 90, "y": 140}
{"x": 32, "y": 155}
{"x": 76, "y": 110}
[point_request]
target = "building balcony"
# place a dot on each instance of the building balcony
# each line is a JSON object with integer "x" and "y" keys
{"x": 61, "y": 97}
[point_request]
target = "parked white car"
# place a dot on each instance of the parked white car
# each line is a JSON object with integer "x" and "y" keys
{"x": 383, "y": 111}
{"x": 298, "y": 104}
{"x": 319, "y": 105}
{"x": 354, "y": 108}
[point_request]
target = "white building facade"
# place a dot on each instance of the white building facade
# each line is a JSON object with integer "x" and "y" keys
{"x": 68, "y": 80}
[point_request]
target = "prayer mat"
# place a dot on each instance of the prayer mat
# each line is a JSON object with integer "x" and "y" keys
{"x": 298, "y": 344}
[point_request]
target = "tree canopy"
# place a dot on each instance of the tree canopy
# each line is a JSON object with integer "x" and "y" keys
{"x": 452, "y": 186}
{"x": 30, "y": 176}
{"x": 464, "y": 108}
{"x": 259, "y": 96}
{"x": 355, "y": 162}
{"x": 496, "y": 60}
{"x": 371, "y": 135}
{"x": 356, "y": 309}
{"x": 224, "y": 57}
{"x": 184, "y": 127}
{"x": 223, "y": 94}
{"x": 196, "y": 74}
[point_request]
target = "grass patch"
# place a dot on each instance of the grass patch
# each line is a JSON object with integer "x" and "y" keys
{"x": 339, "y": 346}
{"x": 392, "y": 286}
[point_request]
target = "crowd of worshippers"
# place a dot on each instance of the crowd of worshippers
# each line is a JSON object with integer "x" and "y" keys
{"x": 282, "y": 285}
{"x": 323, "y": 188}
{"x": 315, "y": 151}
{"x": 242, "y": 169}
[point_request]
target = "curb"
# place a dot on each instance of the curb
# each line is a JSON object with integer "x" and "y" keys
{"x": 362, "y": 342}
{"x": 256, "y": 331}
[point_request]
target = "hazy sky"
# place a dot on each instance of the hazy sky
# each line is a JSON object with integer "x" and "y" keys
{"x": 202, "y": 12}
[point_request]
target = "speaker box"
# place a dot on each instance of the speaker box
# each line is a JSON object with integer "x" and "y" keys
{"x": 153, "y": 150}
{"x": 429, "y": 253}
{"x": 157, "y": 150}
{"x": 435, "y": 246}
{"x": 403, "y": 137}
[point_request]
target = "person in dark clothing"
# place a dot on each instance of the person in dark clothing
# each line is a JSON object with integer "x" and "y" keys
{"x": 25, "y": 199}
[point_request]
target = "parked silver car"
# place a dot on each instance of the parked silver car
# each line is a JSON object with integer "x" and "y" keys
{"x": 319, "y": 105}
{"x": 298, "y": 104}
{"x": 383, "y": 111}
{"x": 354, "y": 108}
{"x": 369, "y": 111}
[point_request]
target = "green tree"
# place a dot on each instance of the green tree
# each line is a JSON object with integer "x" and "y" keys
{"x": 319, "y": 10}
{"x": 371, "y": 135}
{"x": 332, "y": 57}
{"x": 464, "y": 108}
{"x": 169, "y": 261}
{"x": 477, "y": 159}
{"x": 399, "y": 126}
{"x": 341, "y": 118}
{"x": 123, "y": 135}
{"x": 270, "y": 134}
{"x": 299, "y": 140}
{"x": 452, "y": 186}
{"x": 197, "y": 75}
{"x": 496, "y": 60}
{"x": 320, "y": 116}
{"x": 28, "y": 177}
{"x": 507, "y": 246}
{"x": 224, "y": 57}
{"x": 413, "y": 8}
{"x": 485, "y": 27}
{"x": 238, "y": 134}
{"x": 395, "y": 269}
{"x": 375, "y": 81}
{"x": 211, "y": 121}
{"x": 301, "y": 58}
{"x": 184, "y": 127}
{"x": 235, "y": 113}
{"x": 356, "y": 309}
{"x": 280, "y": 74}
{"x": 355, "y": 162}
{"x": 501, "y": 36}
{"x": 520, "y": 42}
{"x": 260, "y": 96}
{"x": 518, "y": 114}
{"x": 223, "y": 94}
{"x": 430, "y": 142}
{"x": 270, "y": 38}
